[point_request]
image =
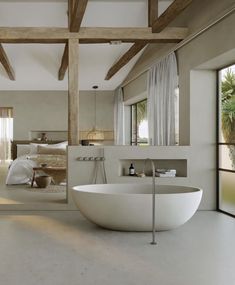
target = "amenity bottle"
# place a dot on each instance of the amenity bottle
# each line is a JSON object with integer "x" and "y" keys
{"x": 131, "y": 170}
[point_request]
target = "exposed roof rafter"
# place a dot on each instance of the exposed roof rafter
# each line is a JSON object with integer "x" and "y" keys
{"x": 64, "y": 64}
{"x": 136, "y": 48}
{"x": 77, "y": 15}
{"x": 6, "y": 63}
{"x": 169, "y": 15}
{"x": 152, "y": 11}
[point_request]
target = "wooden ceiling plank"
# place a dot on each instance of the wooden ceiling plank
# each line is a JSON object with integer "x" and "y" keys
{"x": 152, "y": 11}
{"x": 136, "y": 48}
{"x": 169, "y": 15}
{"x": 6, "y": 63}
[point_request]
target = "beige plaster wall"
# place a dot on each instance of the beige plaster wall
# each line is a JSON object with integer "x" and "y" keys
{"x": 104, "y": 110}
{"x": 48, "y": 110}
{"x": 36, "y": 110}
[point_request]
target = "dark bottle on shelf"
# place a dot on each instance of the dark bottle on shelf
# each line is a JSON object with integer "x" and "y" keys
{"x": 131, "y": 170}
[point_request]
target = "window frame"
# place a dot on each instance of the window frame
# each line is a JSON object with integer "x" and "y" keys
{"x": 218, "y": 142}
{"x": 135, "y": 142}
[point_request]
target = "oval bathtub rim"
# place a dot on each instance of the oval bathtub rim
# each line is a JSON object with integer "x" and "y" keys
{"x": 196, "y": 189}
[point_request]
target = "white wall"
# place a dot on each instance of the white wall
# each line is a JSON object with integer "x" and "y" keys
{"x": 48, "y": 110}
{"x": 136, "y": 90}
{"x": 35, "y": 110}
{"x": 104, "y": 110}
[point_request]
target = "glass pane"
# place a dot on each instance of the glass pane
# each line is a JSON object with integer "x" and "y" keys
{"x": 142, "y": 123}
{"x": 227, "y": 192}
{"x": 133, "y": 125}
{"x": 177, "y": 116}
{"x": 6, "y": 136}
{"x": 227, "y": 157}
{"x": 227, "y": 104}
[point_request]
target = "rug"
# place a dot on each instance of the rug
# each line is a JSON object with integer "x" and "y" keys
{"x": 49, "y": 189}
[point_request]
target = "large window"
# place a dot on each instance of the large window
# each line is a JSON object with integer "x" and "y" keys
{"x": 6, "y": 133}
{"x": 139, "y": 123}
{"x": 226, "y": 139}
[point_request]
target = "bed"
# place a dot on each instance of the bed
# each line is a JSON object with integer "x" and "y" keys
{"x": 28, "y": 156}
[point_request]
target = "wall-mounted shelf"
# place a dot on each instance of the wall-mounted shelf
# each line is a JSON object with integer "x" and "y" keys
{"x": 180, "y": 165}
{"x": 51, "y": 135}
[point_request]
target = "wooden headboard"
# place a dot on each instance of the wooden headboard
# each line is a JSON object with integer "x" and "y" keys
{"x": 15, "y": 143}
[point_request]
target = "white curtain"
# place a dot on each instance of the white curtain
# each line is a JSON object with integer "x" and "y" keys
{"x": 162, "y": 83}
{"x": 119, "y": 117}
{"x": 6, "y": 133}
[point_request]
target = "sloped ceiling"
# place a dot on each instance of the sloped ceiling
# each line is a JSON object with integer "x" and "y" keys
{"x": 36, "y": 65}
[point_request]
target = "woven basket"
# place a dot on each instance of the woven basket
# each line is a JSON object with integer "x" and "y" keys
{"x": 43, "y": 181}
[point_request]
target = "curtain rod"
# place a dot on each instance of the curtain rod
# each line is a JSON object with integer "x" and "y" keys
{"x": 225, "y": 14}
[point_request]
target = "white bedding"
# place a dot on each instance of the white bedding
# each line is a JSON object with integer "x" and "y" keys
{"x": 21, "y": 170}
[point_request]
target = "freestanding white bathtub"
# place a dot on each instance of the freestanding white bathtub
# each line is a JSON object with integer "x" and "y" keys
{"x": 128, "y": 207}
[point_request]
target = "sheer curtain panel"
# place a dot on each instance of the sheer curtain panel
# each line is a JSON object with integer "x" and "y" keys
{"x": 162, "y": 84}
{"x": 6, "y": 133}
{"x": 119, "y": 117}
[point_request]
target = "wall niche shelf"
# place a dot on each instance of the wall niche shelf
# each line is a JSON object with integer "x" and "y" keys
{"x": 179, "y": 164}
{"x": 55, "y": 135}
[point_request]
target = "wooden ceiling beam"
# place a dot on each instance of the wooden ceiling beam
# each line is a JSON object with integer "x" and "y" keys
{"x": 6, "y": 63}
{"x": 77, "y": 15}
{"x": 70, "y": 11}
{"x": 152, "y": 11}
{"x": 33, "y": 34}
{"x": 136, "y": 48}
{"x": 150, "y": 41}
{"x": 64, "y": 64}
{"x": 131, "y": 34}
{"x": 86, "y": 41}
{"x": 77, "y": 10}
{"x": 169, "y": 15}
{"x": 99, "y": 34}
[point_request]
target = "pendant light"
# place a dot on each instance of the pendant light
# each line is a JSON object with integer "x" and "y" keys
{"x": 95, "y": 134}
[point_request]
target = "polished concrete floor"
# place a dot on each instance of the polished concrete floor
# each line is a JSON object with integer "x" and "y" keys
{"x": 58, "y": 248}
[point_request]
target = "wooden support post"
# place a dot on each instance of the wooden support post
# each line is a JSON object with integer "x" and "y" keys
{"x": 73, "y": 99}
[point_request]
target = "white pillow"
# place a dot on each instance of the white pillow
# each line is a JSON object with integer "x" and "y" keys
{"x": 22, "y": 149}
{"x": 59, "y": 145}
{"x": 34, "y": 147}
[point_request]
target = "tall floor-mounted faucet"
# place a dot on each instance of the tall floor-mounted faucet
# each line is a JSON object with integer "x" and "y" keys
{"x": 153, "y": 199}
